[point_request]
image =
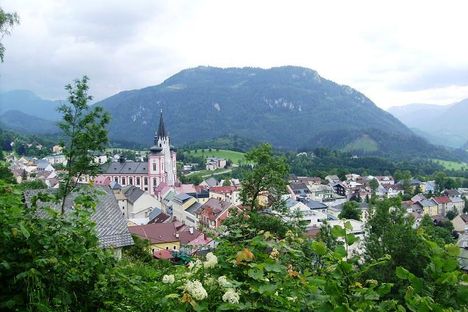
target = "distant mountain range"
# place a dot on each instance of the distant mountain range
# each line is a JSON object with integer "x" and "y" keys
{"x": 290, "y": 107}
{"x": 439, "y": 124}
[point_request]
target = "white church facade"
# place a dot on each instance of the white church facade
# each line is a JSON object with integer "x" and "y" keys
{"x": 160, "y": 167}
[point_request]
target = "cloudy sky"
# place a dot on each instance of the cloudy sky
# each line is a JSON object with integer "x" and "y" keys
{"x": 395, "y": 52}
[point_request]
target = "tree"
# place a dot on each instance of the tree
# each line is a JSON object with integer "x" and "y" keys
{"x": 84, "y": 131}
{"x": 373, "y": 184}
{"x": 7, "y": 21}
{"x": 268, "y": 175}
{"x": 451, "y": 214}
{"x": 440, "y": 180}
{"x": 350, "y": 211}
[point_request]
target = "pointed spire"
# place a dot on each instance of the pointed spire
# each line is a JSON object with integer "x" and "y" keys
{"x": 161, "y": 130}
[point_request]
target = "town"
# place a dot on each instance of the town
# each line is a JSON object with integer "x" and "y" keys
{"x": 183, "y": 220}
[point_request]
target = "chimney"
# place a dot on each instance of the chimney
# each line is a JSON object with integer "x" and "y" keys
{"x": 191, "y": 230}
{"x": 177, "y": 235}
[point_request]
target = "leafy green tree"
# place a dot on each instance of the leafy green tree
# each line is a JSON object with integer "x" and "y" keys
{"x": 350, "y": 211}
{"x": 373, "y": 184}
{"x": 451, "y": 214}
{"x": 84, "y": 128}
{"x": 440, "y": 180}
{"x": 268, "y": 175}
{"x": 440, "y": 233}
{"x": 7, "y": 21}
{"x": 390, "y": 232}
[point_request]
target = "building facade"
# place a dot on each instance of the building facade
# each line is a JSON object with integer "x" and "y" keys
{"x": 160, "y": 167}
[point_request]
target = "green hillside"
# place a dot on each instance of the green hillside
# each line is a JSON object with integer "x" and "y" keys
{"x": 235, "y": 157}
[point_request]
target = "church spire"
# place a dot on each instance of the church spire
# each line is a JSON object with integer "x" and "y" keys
{"x": 162, "y": 133}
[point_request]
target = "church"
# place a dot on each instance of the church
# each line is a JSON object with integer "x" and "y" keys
{"x": 160, "y": 167}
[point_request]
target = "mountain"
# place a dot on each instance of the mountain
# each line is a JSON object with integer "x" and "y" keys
{"x": 27, "y": 124}
{"x": 27, "y": 102}
{"x": 439, "y": 124}
{"x": 286, "y": 106}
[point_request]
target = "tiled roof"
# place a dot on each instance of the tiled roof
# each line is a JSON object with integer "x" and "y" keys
{"x": 223, "y": 189}
{"x": 442, "y": 199}
{"x": 213, "y": 208}
{"x": 111, "y": 226}
{"x": 125, "y": 168}
{"x": 133, "y": 193}
{"x": 194, "y": 208}
{"x": 156, "y": 233}
{"x": 313, "y": 204}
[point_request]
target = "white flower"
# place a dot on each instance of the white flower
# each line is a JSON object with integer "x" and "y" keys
{"x": 196, "y": 290}
{"x": 195, "y": 265}
{"x": 231, "y": 296}
{"x": 211, "y": 261}
{"x": 168, "y": 279}
{"x": 223, "y": 282}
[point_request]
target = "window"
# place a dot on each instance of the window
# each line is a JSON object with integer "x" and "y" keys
{"x": 123, "y": 181}
{"x": 146, "y": 181}
{"x": 174, "y": 247}
{"x": 167, "y": 248}
{"x": 116, "y": 179}
{"x": 154, "y": 166}
{"x": 154, "y": 181}
{"x": 130, "y": 181}
{"x": 138, "y": 180}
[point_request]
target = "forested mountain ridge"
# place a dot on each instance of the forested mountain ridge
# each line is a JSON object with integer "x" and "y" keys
{"x": 285, "y": 106}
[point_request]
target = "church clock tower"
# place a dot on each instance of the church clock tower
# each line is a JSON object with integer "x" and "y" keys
{"x": 162, "y": 159}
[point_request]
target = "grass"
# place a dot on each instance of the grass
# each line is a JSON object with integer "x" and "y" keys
{"x": 235, "y": 157}
{"x": 364, "y": 143}
{"x": 452, "y": 165}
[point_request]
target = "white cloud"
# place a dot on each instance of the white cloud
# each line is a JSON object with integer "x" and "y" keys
{"x": 384, "y": 49}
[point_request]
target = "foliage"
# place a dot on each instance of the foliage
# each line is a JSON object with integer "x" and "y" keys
{"x": 7, "y": 21}
{"x": 84, "y": 130}
{"x": 350, "y": 211}
{"x": 268, "y": 176}
{"x": 440, "y": 233}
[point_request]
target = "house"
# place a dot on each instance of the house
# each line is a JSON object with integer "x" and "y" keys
{"x": 201, "y": 195}
{"x": 385, "y": 180}
{"x": 340, "y": 189}
{"x": 56, "y": 159}
{"x": 193, "y": 241}
{"x": 210, "y": 182}
{"x": 44, "y": 165}
{"x": 184, "y": 209}
{"x": 298, "y": 190}
{"x": 429, "y": 206}
{"x": 213, "y": 163}
{"x": 417, "y": 197}
{"x": 460, "y": 223}
{"x": 102, "y": 181}
{"x": 161, "y": 236}
{"x": 443, "y": 203}
{"x": 457, "y": 204}
{"x": 111, "y": 226}
{"x": 311, "y": 217}
{"x": 321, "y": 192}
{"x": 428, "y": 187}
{"x": 452, "y": 193}
{"x": 157, "y": 216}
{"x": 214, "y": 212}
{"x": 139, "y": 203}
{"x": 315, "y": 205}
{"x": 57, "y": 149}
{"x": 306, "y": 180}
{"x": 393, "y": 190}
{"x": 226, "y": 193}
{"x": 332, "y": 179}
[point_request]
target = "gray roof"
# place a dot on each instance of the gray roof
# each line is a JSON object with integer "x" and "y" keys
{"x": 154, "y": 213}
{"x": 42, "y": 164}
{"x": 111, "y": 226}
{"x": 313, "y": 204}
{"x": 182, "y": 197}
{"x": 211, "y": 182}
{"x": 194, "y": 208}
{"x": 125, "y": 168}
{"x": 133, "y": 193}
{"x": 427, "y": 203}
{"x": 115, "y": 186}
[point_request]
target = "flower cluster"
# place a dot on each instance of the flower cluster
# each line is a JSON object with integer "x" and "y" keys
{"x": 231, "y": 296}
{"x": 168, "y": 279}
{"x": 211, "y": 261}
{"x": 196, "y": 290}
{"x": 223, "y": 282}
{"x": 274, "y": 254}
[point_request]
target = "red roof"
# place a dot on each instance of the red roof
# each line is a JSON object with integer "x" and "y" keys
{"x": 162, "y": 254}
{"x": 156, "y": 233}
{"x": 223, "y": 189}
{"x": 442, "y": 199}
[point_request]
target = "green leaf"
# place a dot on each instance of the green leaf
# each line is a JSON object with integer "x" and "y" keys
{"x": 24, "y": 230}
{"x": 337, "y": 231}
{"x": 340, "y": 251}
{"x": 402, "y": 273}
{"x": 348, "y": 225}
{"x": 275, "y": 267}
{"x": 256, "y": 274}
{"x": 351, "y": 239}
{"x": 452, "y": 250}
{"x": 267, "y": 288}
{"x": 319, "y": 248}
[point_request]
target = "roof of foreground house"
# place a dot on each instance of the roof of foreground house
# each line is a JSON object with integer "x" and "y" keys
{"x": 111, "y": 225}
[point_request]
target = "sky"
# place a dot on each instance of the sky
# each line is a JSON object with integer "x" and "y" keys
{"x": 395, "y": 52}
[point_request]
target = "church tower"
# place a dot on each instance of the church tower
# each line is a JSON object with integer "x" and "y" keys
{"x": 162, "y": 159}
